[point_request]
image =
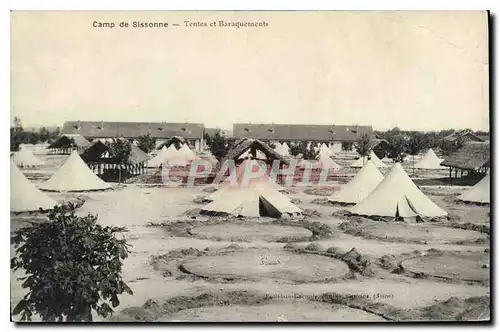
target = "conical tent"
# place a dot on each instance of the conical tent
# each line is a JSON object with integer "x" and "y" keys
{"x": 283, "y": 150}
{"x": 243, "y": 178}
{"x": 24, "y": 158}
{"x": 325, "y": 151}
{"x": 74, "y": 175}
{"x": 166, "y": 155}
{"x": 336, "y": 147}
{"x": 360, "y": 186}
{"x": 186, "y": 152}
{"x": 430, "y": 161}
{"x": 24, "y": 195}
{"x": 327, "y": 163}
{"x": 479, "y": 193}
{"x": 250, "y": 198}
{"x": 360, "y": 162}
{"x": 259, "y": 155}
{"x": 397, "y": 196}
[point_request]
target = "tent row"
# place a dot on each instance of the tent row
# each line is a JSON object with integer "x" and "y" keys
{"x": 172, "y": 157}
{"x": 73, "y": 175}
{"x": 393, "y": 196}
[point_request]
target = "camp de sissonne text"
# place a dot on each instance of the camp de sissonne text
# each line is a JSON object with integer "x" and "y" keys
{"x": 188, "y": 24}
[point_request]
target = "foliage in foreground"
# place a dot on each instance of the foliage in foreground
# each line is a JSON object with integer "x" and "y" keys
{"x": 73, "y": 267}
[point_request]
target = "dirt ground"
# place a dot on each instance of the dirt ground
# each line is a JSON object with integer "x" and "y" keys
{"x": 287, "y": 281}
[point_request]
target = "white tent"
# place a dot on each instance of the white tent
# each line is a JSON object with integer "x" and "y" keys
{"x": 24, "y": 158}
{"x": 479, "y": 193}
{"x": 251, "y": 202}
{"x": 279, "y": 148}
{"x": 360, "y": 162}
{"x": 186, "y": 152}
{"x": 254, "y": 198}
{"x": 74, "y": 175}
{"x": 327, "y": 163}
{"x": 260, "y": 155}
{"x": 324, "y": 151}
{"x": 283, "y": 150}
{"x": 166, "y": 155}
{"x": 336, "y": 147}
{"x": 430, "y": 161}
{"x": 246, "y": 167}
{"x": 397, "y": 196}
{"x": 360, "y": 186}
{"x": 286, "y": 148}
{"x": 24, "y": 195}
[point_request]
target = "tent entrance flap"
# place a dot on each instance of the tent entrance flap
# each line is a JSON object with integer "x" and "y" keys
{"x": 266, "y": 209}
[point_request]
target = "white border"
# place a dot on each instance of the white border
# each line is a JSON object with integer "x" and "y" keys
{"x": 492, "y": 5}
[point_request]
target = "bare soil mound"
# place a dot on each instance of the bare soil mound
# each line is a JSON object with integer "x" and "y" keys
{"x": 242, "y": 230}
{"x": 259, "y": 264}
{"x": 422, "y": 233}
{"x": 451, "y": 266}
{"x": 243, "y": 305}
{"x": 150, "y": 177}
{"x": 319, "y": 191}
{"x": 279, "y": 311}
{"x": 453, "y": 309}
{"x": 250, "y": 232}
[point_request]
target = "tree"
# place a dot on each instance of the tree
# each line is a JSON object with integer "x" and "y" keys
{"x": 415, "y": 144}
{"x": 393, "y": 132}
{"x": 363, "y": 146}
{"x": 146, "y": 143}
{"x": 14, "y": 140}
{"x": 446, "y": 132}
{"x": 18, "y": 124}
{"x": 301, "y": 148}
{"x": 33, "y": 138}
{"x": 449, "y": 147}
{"x": 73, "y": 267}
{"x": 119, "y": 150}
{"x": 398, "y": 148}
{"x": 218, "y": 144}
{"x": 347, "y": 146}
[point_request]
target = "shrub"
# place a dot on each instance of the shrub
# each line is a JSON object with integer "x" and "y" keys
{"x": 73, "y": 266}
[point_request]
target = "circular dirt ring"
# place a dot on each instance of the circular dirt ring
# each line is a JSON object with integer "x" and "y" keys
{"x": 250, "y": 232}
{"x": 258, "y": 264}
{"x": 466, "y": 266}
{"x": 285, "y": 311}
{"x": 421, "y": 233}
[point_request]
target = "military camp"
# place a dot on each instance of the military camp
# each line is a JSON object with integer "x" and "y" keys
{"x": 261, "y": 166}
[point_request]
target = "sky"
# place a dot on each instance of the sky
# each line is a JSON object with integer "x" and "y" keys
{"x": 414, "y": 70}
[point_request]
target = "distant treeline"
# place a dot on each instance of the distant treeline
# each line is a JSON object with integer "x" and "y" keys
{"x": 18, "y": 135}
